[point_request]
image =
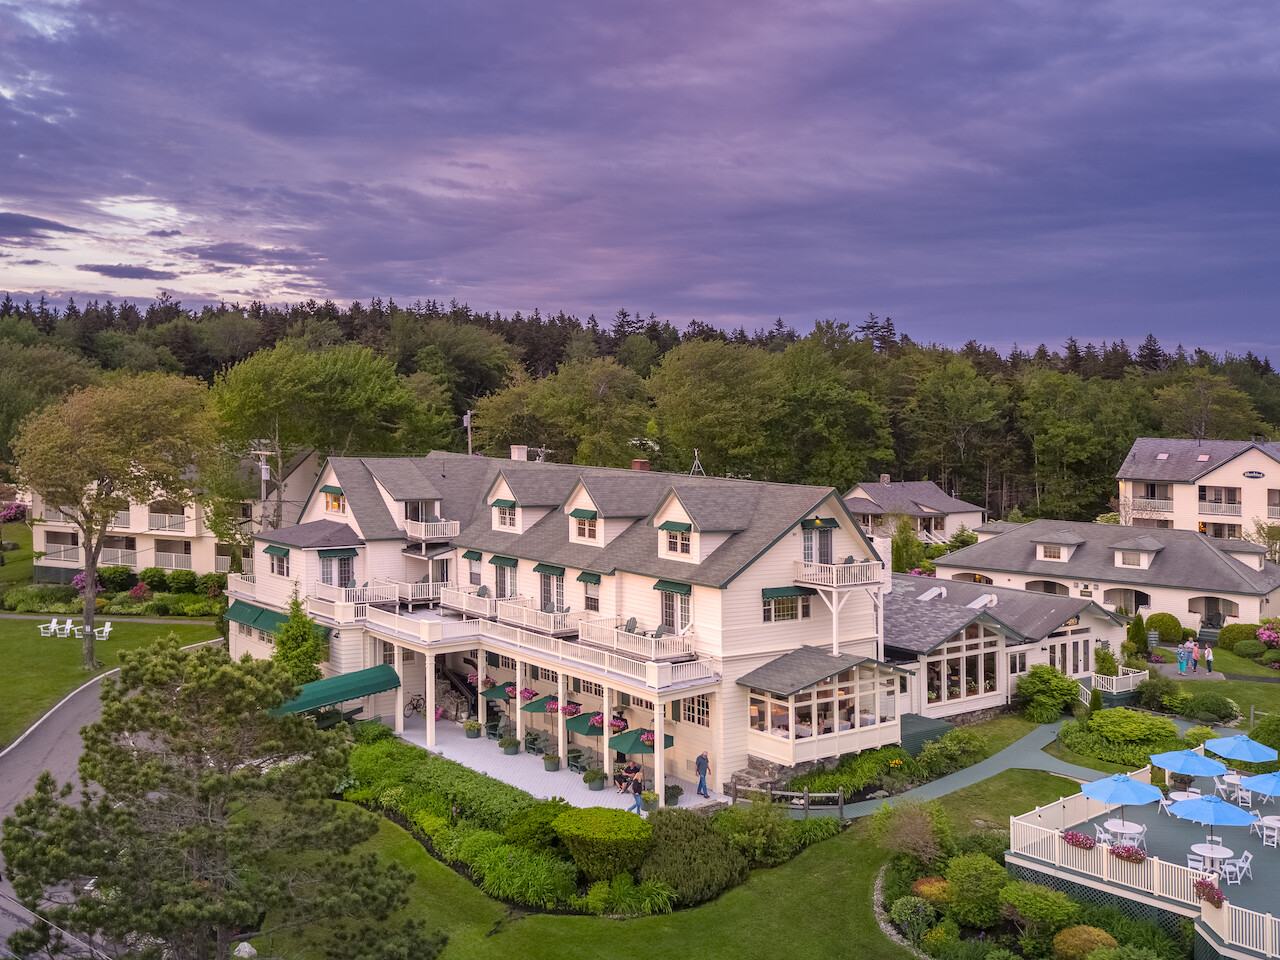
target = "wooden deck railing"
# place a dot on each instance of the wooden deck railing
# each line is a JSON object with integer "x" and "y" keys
{"x": 439, "y": 530}
{"x": 607, "y": 632}
{"x": 838, "y": 574}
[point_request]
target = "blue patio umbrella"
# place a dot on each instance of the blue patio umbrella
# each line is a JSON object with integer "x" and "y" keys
{"x": 1120, "y": 789}
{"x": 1188, "y": 763}
{"x": 1267, "y": 784}
{"x": 1212, "y": 811}
{"x": 1241, "y": 748}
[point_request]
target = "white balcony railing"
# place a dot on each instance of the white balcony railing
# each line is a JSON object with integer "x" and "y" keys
{"x": 222, "y": 564}
{"x": 524, "y": 612}
{"x": 120, "y": 521}
{"x": 377, "y": 591}
{"x": 167, "y": 521}
{"x": 455, "y": 598}
{"x": 838, "y": 574}
{"x": 1273, "y": 511}
{"x": 608, "y": 632}
{"x": 173, "y": 561}
{"x": 1155, "y": 504}
{"x": 1219, "y": 508}
{"x": 58, "y": 551}
{"x": 1128, "y": 680}
{"x": 417, "y": 592}
{"x": 242, "y": 584}
{"x": 439, "y": 530}
{"x": 112, "y": 557}
{"x": 54, "y": 515}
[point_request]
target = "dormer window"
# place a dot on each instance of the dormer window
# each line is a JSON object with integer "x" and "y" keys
{"x": 1052, "y": 551}
{"x": 1130, "y": 558}
{"x": 334, "y": 501}
{"x": 584, "y": 522}
{"x": 587, "y": 529}
{"x": 505, "y": 513}
{"x": 679, "y": 541}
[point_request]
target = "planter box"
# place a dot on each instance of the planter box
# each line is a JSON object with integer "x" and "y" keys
{"x": 474, "y": 734}
{"x": 648, "y": 805}
{"x": 596, "y": 785}
{"x": 550, "y": 764}
{"x": 511, "y": 751}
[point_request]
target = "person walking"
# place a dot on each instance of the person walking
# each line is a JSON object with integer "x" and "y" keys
{"x": 1195, "y": 656}
{"x": 635, "y": 788}
{"x": 1208, "y": 658}
{"x": 701, "y": 766}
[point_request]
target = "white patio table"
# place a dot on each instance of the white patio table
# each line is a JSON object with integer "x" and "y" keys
{"x": 1213, "y": 853}
{"x": 1125, "y": 827}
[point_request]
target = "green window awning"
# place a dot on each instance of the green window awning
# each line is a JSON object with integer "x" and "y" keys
{"x": 677, "y": 527}
{"x": 275, "y": 551}
{"x": 260, "y": 618}
{"x": 503, "y": 503}
{"x": 549, "y": 570}
{"x": 503, "y": 561}
{"x": 817, "y": 523}
{"x": 773, "y": 593}
{"x": 585, "y": 577}
{"x": 241, "y": 612}
{"x": 340, "y": 689}
{"x": 670, "y": 586}
{"x": 582, "y": 514}
{"x": 270, "y": 622}
{"x": 472, "y": 555}
{"x": 330, "y": 488}
{"x": 338, "y": 552}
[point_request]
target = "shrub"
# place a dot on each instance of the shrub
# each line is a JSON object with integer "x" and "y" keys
{"x": 1136, "y": 634}
{"x": 155, "y": 578}
{"x": 1104, "y": 663}
{"x": 473, "y": 845}
{"x": 530, "y": 877}
{"x": 1151, "y": 693}
{"x": 532, "y": 827}
{"x": 1077, "y": 737}
{"x": 1269, "y": 658}
{"x": 623, "y": 897}
{"x": 805, "y": 833}
{"x": 1120, "y": 725}
{"x": 1210, "y": 707}
{"x": 371, "y": 732}
{"x": 208, "y": 583}
{"x": 691, "y": 858}
{"x": 937, "y": 940}
{"x": 1095, "y": 701}
{"x": 1188, "y": 634}
{"x": 39, "y": 598}
{"x": 976, "y": 882}
{"x": 1198, "y": 735}
{"x": 919, "y": 829}
{"x": 159, "y": 607}
{"x": 993, "y": 843}
{"x": 116, "y": 579}
{"x": 761, "y": 832}
{"x": 182, "y": 581}
{"x": 1249, "y": 649}
{"x": 1077, "y": 943}
{"x": 1267, "y": 730}
{"x": 1124, "y": 952}
{"x": 1132, "y": 934}
{"x": 954, "y": 750}
{"x": 604, "y": 843}
{"x": 855, "y": 772}
{"x": 1233, "y": 633}
{"x": 934, "y": 889}
{"x": 1043, "y": 693}
{"x": 913, "y": 916}
{"x": 1036, "y": 910}
{"x": 1168, "y": 626}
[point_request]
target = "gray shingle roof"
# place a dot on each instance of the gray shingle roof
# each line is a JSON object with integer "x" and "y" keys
{"x": 403, "y": 477}
{"x": 910, "y": 497}
{"x": 363, "y": 499}
{"x": 1182, "y": 463}
{"x": 918, "y": 626}
{"x": 998, "y": 526}
{"x": 1242, "y": 546}
{"x": 1145, "y": 543}
{"x": 317, "y": 533}
{"x": 621, "y": 496}
{"x": 798, "y": 669}
{"x": 1189, "y": 560}
{"x": 1062, "y": 538}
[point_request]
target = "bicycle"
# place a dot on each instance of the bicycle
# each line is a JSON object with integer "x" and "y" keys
{"x": 417, "y": 704}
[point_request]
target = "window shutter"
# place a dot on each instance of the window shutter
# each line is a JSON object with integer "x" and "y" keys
{"x": 625, "y": 699}
{"x": 675, "y": 711}
{"x": 577, "y": 685}
{"x": 491, "y": 658}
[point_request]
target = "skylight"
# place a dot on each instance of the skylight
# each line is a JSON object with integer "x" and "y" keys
{"x": 1162, "y": 456}
{"x": 1203, "y": 457}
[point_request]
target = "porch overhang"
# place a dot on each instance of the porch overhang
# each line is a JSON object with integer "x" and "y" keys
{"x": 340, "y": 689}
{"x": 807, "y": 667}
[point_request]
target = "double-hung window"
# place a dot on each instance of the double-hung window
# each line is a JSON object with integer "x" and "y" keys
{"x": 679, "y": 541}
{"x": 476, "y": 573}
{"x": 592, "y": 596}
{"x": 786, "y": 608}
{"x": 696, "y": 710}
{"x": 335, "y": 503}
{"x": 280, "y": 565}
{"x": 586, "y": 529}
{"x": 507, "y": 517}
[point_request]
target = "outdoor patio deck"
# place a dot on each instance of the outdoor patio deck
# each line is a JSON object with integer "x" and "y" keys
{"x": 526, "y": 771}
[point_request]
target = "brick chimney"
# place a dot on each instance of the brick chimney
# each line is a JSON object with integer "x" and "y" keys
{"x": 884, "y": 478}
{"x": 640, "y": 465}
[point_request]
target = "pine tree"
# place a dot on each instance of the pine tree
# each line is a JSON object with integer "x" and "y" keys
{"x": 299, "y": 644}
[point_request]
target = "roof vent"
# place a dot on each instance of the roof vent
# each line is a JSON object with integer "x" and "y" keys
{"x": 884, "y": 478}
{"x": 1162, "y": 456}
{"x": 986, "y": 600}
{"x": 934, "y": 593}
{"x": 1202, "y": 457}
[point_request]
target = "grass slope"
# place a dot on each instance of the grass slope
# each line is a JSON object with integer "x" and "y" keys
{"x": 18, "y": 564}
{"x": 40, "y": 671}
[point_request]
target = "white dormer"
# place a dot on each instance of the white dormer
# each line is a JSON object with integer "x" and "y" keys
{"x": 1057, "y": 546}
{"x": 1137, "y": 553}
{"x": 505, "y": 511}
{"x": 1251, "y": 555}
{"x": 677, "y": 538}
{"x": 586, "y": 525}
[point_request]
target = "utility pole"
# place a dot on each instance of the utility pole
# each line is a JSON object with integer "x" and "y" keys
{"x": 466, "y": 422}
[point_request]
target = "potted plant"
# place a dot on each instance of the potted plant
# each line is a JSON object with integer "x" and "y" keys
{"x": 509, "y": 745}
{"x": 594, "y": 779}
{"x": 1208, "y": 891}
{"x": 1180, "y": 781}
{"x": 673, "y": 793}
{"x": 933, "y": 695}
{"x": 473, "y": 728}
{"x": 551, "y": 761}
{"x": 648, "y": 800}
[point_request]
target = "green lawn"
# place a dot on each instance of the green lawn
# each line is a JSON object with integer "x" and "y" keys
{"x": 992, "y": 801}
{"x": 40, "y": 671}
{"x": 1002, "y": 731}
{"x": 18, "y": 563}
{"x": 1056, "y": 749}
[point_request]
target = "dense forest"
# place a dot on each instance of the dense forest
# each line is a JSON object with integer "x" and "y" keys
{"x": 1043, "y": 431}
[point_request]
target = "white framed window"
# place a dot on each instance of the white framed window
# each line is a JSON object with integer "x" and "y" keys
{"x": 592, "y": 596}
{"x": 542, "y": 673}
{"x": 642, "y": 704}
{"x": 786, "y": 608}
{"x": 506, "y": 517}
{"x": 1051, "y": 551}
{"x": 1018, "y": 663}
{"x": 507, "y": 663}
{"x": 696, "y": 710}
{"x": 476, "y": 573}
{"x": 676, "y": 612}
{"x": 280, "y": 565}
{"x": 679, "y": 541}
{"x": 504, "y": 582}
{"x": 267, "y": 638}
{"x": 244, "y": 630}
{"x": 388, "y": 653}
{"x": 552, "y": 590}
{"x": 336, "y": 572}
{"x": 818, "y": 545}
{"x": 335, "y": 503}
{"x": 586, "y": 529}
{"x": 1130, "y": 558}
{"x": 594, "y": 689}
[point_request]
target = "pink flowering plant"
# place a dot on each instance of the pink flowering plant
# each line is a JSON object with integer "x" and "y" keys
{"x": 617, "y": 724}
{"x": 1127, "y": 851}
{"x": 1074, "y": 838}
{"x": 553, "y": 706}
{"x": 13, "y": 512}
{"x": 528, "y": 693}
{"x": 78, "y": 582}
{"x": 140, "y": 591}
{"x": 1208, "y": 891}
{"x": 571, "y": 709}
{"x": 511, "y": 689}
{"x": 472, "y": 677}
{"x": 647, "y": 737}
{"x": 597, "y": 720}
{"x": 1269, "y": 633}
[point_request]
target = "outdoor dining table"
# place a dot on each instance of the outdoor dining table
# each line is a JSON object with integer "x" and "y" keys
{"x": 1213, "y": 853}
{"x": 1179, "y": 795}
{"x": 1271, "y": 821}
{"x": 1122, "y": 827}
{"x": 1233, "y": 779}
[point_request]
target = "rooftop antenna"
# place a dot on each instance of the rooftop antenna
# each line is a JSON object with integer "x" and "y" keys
{"x": 542, "y": 454}
{"x": 696, "y": 470}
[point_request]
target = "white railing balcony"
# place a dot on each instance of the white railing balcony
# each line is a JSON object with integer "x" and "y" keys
{"x": 54, "y": 515}
{"x": 60, "y": 552}
{"x": 1128, "y": 680}
{"x": 120, "y": 521}
{"x": 377, "y": 591}
{"x": 1219, "y": 508}
{"x": 610, "y": 633}
{"x": 222, "y": 564}
{"x": 524, "y": 612}
{"x": 111, "y": 557}
{"x": 1273, "y": 511}
{"x": 168, "y": 521}
{"x": 853, "y": 574}
{"x": 455, "y": 598}
{"x": 242, "y": 584}
{"x": 439, "y": 530}
{"x": 1155, "y": 504}
{"x": 173, "y": 561}
{"x": 418, "y": 592}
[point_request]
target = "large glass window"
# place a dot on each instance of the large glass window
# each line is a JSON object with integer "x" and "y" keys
{"x": 675, "y": 612}
{"x": 552, "y": 592}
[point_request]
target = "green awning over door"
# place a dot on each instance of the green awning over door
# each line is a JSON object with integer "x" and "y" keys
{"x": 671, "y": 586}
{"x": 549, "y": 570}
{"x": 340, "y": 689}
{"x": 338, "y": 553}
{"x": 241, "y": 612}
{"x": 503, "y": 561}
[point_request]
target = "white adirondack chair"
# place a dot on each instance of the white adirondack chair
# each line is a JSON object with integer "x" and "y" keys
{"x": 64, "y": 630}
{"x": 47, "y": 629}
{"x": 103, "y": 632}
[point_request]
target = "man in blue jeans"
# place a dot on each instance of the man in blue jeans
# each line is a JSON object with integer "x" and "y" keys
{"x": 635, "y": 787}
{"x": 701, "y": 765}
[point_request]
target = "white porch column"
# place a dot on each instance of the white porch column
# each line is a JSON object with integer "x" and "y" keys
{"x": 561, "y": 732}
{"x": 397, "y": 656}
{"x": 430, "y": 695}
{"x": 659, "y": 751}
{"x": 517, "y": 701}
{"x": 481, "y": 702}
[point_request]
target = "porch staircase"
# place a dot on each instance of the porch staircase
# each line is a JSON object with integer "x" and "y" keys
{"x": 458, "y": 683}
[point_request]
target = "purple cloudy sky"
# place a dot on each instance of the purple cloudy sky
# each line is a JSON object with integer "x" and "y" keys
{"x": 972, "y": 168}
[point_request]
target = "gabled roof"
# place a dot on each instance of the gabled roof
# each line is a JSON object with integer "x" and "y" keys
{"x": 1242, "y": 546}
{"x": 317, "y": 533}
{"x": 915, "y": 498}
{"x": 402, "y": 477}
{"x": 1189, "y": 560}
{"x": 363, "y": 499}
{"x": 1061, "y": 538}
{"x": 1144, "y": 543}
{"x": 1184, "y": 461}
{"x": 620, "y": 497}
{"x": 800, "y": 668}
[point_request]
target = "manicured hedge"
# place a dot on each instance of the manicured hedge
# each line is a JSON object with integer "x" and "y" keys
{"x": 1210, "y": 707}
{"x": 1249, "y": 648}
{"x": 1077, "y": 943}
{"x": 1233, "y": 633}
{"x": 1120, "y": 725}
{"x": 604, "y": 843}
{"x": 1168, "y": 626}
{"x": 691, "y": 858}
{"x": 975, "y": 882}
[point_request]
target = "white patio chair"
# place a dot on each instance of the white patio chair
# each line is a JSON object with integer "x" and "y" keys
{"x": 47, "y": 629}
{"x": 64, "y": 630}
{"x": 1165, "y": 804}
{"x": 1193, "y": 792}
{"x": 1271, "y": 836}
{"x": 1239, "y": 868}
{"x": 1222, "y": 788}
{"x": 1194, "y": 862}
{"x": 1244, "y": 798}
{"x": 1103, "y": 836}
{"x": 103, "y": 632}
{"x": 1139, "y": 839}
{"x": 1257, "y": 825}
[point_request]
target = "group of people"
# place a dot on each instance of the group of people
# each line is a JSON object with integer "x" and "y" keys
{"x": 630, "y": 780}
{"x": 1189, "y": 654}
